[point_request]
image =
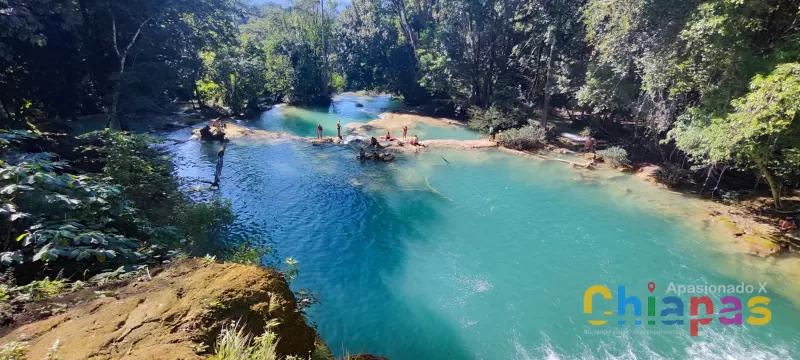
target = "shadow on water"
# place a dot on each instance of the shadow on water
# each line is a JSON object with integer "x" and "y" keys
{"x": 349, "y": 228}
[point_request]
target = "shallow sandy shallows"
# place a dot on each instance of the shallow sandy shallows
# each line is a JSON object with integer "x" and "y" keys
{"x": 394, "y": 122}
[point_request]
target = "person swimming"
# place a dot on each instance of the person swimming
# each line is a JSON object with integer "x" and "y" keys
{"x": 362, "y": 155}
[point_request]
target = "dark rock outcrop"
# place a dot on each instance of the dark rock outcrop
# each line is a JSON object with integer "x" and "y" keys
{"x": 208, "y": 133}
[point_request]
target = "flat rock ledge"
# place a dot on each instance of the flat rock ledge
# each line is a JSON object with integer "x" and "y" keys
{"x": 177, "y": 315}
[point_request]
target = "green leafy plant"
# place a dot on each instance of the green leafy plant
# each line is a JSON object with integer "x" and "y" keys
{"x": 14, "y": 350}
{"x": 481, "y": 119}
{"x": 215, "y": 304}
{"x": 615, "y": 156}
{"x": 209, "y": 260}
{"x": 247, "y": 254}
{"x": 45, "y": 288}
{"x": 62, "y": 215}
{"x": 291, "y": 268}
{"x": 205, "y": 223}
{"x": 528, "y": 137}
{"x": 236, "y": 344}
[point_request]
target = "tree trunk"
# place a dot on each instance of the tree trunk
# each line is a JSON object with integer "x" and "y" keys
{"x": 121, "y": 55}
{"x": 549, "y": 82}
{"x": 324, "y": 47}
{"x": 199, "y": 98}
{"x": 719, "y": 179}
{"x": 774, "y": 187}
{"x": 5, "y": 109}
{"x": 536, "y": 77}
{"x": 112, "y": 115}
{"x": 401, "y": 11}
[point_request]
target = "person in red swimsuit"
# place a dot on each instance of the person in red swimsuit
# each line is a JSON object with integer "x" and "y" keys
{"x": 789, "y": 223}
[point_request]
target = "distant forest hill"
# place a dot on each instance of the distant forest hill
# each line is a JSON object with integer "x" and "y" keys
{"x": 717, "y": 79}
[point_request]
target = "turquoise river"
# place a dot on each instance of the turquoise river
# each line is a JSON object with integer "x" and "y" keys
{"x": 487, "y": 256}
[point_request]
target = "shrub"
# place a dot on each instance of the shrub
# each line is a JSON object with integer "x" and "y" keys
{"x": 61, "y": 216}
{"x": 670, "y": 174}
{"x": 338, "y": 82}
{"x": 235, "y": 344}
{"x": 615, "y": 156}
{"x": 144, "y": 174}
{"x": 43, "y": 289}
{"x": 204, "y": 224}
{"x": 246, "y": 254}
{"x": 528, "y": 137}
{"x": 14, "y": 351}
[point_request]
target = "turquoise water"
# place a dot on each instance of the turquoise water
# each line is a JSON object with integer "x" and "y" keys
{"x": 303, "y": 121}
{"x": 486, "y": 257}
{"x": 429, "y": 132}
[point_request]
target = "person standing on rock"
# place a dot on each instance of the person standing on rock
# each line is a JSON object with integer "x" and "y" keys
{"x": 491, "y": 132}
{"x": 339, "y": 128}
{"x": 319, "y": 131}
{"x": 405, "y": 132}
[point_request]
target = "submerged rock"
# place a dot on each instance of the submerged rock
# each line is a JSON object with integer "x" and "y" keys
{"x": 177, "y": 315}
{"x": 385, "y": 157}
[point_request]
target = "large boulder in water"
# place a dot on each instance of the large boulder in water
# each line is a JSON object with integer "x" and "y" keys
{"x": 208, "y": 133}
{"x": 386, "y": 157}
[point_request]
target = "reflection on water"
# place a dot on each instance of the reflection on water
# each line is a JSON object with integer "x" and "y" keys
{"x": 484, "y": 257}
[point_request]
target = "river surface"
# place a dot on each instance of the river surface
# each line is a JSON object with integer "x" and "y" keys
{"x": 485, "y": 255}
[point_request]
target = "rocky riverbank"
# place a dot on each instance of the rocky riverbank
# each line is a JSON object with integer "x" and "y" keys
{"x": 177, "y": 315}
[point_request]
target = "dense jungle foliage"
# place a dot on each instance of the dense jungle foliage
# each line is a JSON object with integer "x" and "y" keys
{"x": 59, "y": 220}
{"x": 704, "y": 84}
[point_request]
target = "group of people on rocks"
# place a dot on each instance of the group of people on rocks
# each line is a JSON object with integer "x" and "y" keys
{"x": 388, "y": 137}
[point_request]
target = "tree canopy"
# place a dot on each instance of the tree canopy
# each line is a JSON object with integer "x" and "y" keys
{"x": 651, "y": 74}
